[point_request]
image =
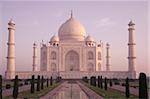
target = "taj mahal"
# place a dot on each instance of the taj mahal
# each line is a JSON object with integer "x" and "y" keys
{"x": 72, "y": 54}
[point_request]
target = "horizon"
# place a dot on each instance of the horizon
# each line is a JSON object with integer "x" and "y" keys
{"x": 34, "y": 23}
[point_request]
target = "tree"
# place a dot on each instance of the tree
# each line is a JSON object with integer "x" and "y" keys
{"x": 99, "y": 81}
{"x": 105, "y": 83}
{"x": 47, "y": 82}
{"x": 38, "y": 83}
{"x": 143, "y": 92}
{"x": 85, "y": 79}
{"x": 32, "y": 84}
{"x": 127, "y": 88}
{"x": 0, "y": 86}
{"x": 51, "y": 81}
{"x": 110, "y": 82}
{"x": 42, "y": 83}
{"x": 93, "y": 81}
{"x": 16, "y": 86}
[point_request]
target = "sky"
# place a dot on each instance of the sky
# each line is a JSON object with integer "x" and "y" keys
{"x": 103, "y": 20}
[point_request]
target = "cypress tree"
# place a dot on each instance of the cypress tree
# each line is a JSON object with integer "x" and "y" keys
{"x": 86, "y": 79}
{"x": 38, "y": 83}
{"x": 42, "y": 83}
{"x": 47, "y": 82}
{"x": 16, "y": 86}
{"x": 51, "y": 81}
{"x": 0, "y": 86}
{"x": 143, "y": 91}
{"x": 98, "y": 81}
{"x": 110, "y": 82}
{"x": 105, "y": 83}
{"x": 127, "y": 88}
{"x": 32, "y": 84}
{"x": 101, "y": 82}
{"x": 93, "y": 81}
{"x": 60, "y": 78}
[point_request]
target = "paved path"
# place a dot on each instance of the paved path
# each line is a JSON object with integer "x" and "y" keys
{"x": 91, "y": 94}
{"x": 53, "y": 92}
{"x": 8, "y": 92}
{"x": 134, "y": 91}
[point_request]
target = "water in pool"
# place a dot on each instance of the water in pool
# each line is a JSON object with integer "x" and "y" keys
{"x": 70, "y": 90}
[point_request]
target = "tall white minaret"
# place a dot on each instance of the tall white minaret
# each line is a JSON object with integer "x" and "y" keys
{"x": 10, "y": 72}
{"x": 131, "y": 50}
{"x": 34, "y": 57}
{"x": 107, "y": 57}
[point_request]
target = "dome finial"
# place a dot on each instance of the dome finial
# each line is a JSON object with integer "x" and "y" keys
{"x": 11, "y": 21}
{"x": 71, "y": 14}
{"x": 131, "y": 23}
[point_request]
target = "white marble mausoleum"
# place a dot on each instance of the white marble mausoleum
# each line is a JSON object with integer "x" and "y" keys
{"x": 71, "y": 54}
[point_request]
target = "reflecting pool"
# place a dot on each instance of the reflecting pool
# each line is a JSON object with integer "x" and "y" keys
{"x": 70, "y": 90}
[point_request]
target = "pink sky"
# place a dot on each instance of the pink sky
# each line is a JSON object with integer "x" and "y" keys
{"x": 106, "y": 21}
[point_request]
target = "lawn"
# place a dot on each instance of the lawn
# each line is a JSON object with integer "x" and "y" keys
{"x": 7, "y": 82}
{"x": 11, "y": 83}
{"x": 110, "y": 93}
{"x": 37, "y": 94}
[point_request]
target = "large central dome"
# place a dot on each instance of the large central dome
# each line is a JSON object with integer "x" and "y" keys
{"x": 72, "y": 29}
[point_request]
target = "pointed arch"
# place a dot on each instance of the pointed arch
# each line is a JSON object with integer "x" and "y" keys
{"x": 99, "y": 66}
{"x": 90, "y": 67}
{"x": 90, "y": 55}
{"x": 99, "y": 55}
{"x": 53, "y": 55}
{"x": 53, "y": 67}
{"x": 72, "y": 61}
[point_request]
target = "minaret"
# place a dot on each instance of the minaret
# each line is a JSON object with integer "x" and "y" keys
{"x": 71, "y": 14}
{"x": 34, "y": 57}
{"x": 131, "y": 50}
{"x": 107, "y": 57}
{"x": 10, "y": 72}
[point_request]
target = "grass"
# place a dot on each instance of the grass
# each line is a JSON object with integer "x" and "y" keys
{"x": 36, "y": 95}
{"x": 134, "y": 84}
{"x": 7, "y": 82}
{"x": 110, "y": 93}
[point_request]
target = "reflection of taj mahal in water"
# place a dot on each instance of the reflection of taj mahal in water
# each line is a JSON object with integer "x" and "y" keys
{"x": 71, "y": 54}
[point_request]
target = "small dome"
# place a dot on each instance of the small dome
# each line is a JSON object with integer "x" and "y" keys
{"x": 131, "y": 23}
{"x": 89, "y": 39}
{"x": 107, "y": 44}
{"x": 72, "y": 29}
{"x": 34, "y": 44}
{"x": 11, "y": 22}
{"x": 54, "y": 39}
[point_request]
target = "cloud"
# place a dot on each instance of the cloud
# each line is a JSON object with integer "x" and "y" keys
{"x": 104, "y": 22}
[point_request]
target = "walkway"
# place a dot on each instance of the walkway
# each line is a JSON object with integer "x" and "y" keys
{"x": 53, "y": 92}
{"x": 91, "y": 94}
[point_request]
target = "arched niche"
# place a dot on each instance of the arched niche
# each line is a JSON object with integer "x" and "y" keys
{"x": 90, "y": 55}
{"x": 90, "y": 67}
{"x": 72, "y": 61}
